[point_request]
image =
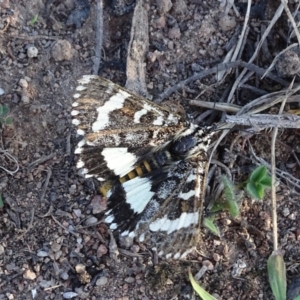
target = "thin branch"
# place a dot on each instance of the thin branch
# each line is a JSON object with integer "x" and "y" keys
{"x": 99, "y": 36}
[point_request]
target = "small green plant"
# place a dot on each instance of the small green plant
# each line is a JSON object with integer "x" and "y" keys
{"x": 199, "y": 290}
{"x": 5, "y": 119}
{"x": 257, "y": 183}
{"x": 229, "y": 202}
{"x": 34, "y": 20}
{"x": 277, "y": 275}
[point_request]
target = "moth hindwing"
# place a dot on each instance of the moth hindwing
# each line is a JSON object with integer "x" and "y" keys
{"x": 147, "y": 157}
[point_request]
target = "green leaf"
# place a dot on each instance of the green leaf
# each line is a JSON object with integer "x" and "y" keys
{"x": 218, "y": 206}
{"x": 260, "y": 191}
{"x": 1, "y": 109}
{"x": 233, "y": 209}
{"x": 258, "y": 174}
{"x": 34, "y": 19}
{"x": 252, "y": 190}
{"x": 277, "y": 275}
{"x": 5, "y": 110}
{"x": 1, "y": 202}
{"x": 266, "y": 181}
{"x": 229, "y": 191}
{"x": 199, "y": 290}
{"x": 7, "y": 121}
{"x": 297, "y": 298}
{"x": 210, "y": 225}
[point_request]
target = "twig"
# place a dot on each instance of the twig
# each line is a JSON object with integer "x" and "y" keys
{"x": 41, "y": 160}
{"x": 11, "y": 157}
{"x": 49, "y": 174}
{"x": 137, "y": 49}
{"x": 68, "y": 147}
{"x": 219, "y": 67}
{"x": 227, "y": 107}
{"x": 63, "y": 227}
{"x": 32, "y": 38}
{"x": 265, "y": 120}
{"x": 273, "y": 21}
{"x": 292, "y": 20}
{"x": 273, "y": 176}
{"x": 99, "y": 36}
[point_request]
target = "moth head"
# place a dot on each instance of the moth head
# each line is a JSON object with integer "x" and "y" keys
{"x": 191, "y": 141}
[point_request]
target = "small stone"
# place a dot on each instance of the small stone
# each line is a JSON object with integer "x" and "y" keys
{"x": 42, "y": 253}
{"x": 227, "y": 23}
{"x": 30, "y": 275}
{"x": 98, "y": 204}
{"x": 160, "y": 22}
{"x": 102, "y": 281}
{"x": 64, "y": 276}
{"x": 1, "y": 92}
{"x": 2, "y": 250}
{"x": 55, "y": 247}
{"x": 80, "y": 268}
{"x": 23, "y": 83}
{"x": 91, "y": 221}
{"x": 62, "y": 50}
{"x": 174, "y": 33}
{"x": 69, "y": 295}
{"x": 129, "y": 279}
{"x": 32, "y": 52}
{"x": 171, "y": 45}
{"x": 45, "y": 283}
{"x": 164, "y": 6}
{"x": 102, "y": 250}
{"x": 77, "y": 212}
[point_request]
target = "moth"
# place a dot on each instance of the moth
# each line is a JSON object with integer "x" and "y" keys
{"x": 150, "y": 160}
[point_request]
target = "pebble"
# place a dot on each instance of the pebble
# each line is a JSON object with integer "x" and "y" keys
{"x": 2, "y": 250}
{"x": 129, "y": 279}
{"x": 80, "y": 268}
{"x": 62, "y": 50}
{"x": 174, "y": 33}
{"x": 102, "y": 281}
{"x": 69, "y": 295}
{"x": 32, "y": 52}
{"x": 98, "y": 204}
{"x": 77, "y": 212}
{"x": 55, "y": 247}
{"x": 30, "y": 275}
{"x": 23, "y": 83}
{"x": 42, "y": 253}
{"x": 64, "y": 276}
{"x": 227, "y": 23}
{"x": 91, "y": 221}
{"x": 164, "y": 6}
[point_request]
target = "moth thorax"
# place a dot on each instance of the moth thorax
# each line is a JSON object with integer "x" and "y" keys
{"x": 191, "y": 143}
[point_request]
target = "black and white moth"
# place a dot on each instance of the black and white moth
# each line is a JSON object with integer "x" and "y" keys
{"x": 151, "y": 161}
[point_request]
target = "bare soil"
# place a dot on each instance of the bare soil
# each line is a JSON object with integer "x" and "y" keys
{"x": 50, "y": 247}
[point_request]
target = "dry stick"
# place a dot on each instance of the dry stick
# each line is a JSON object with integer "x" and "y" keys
{"x": 216, "y": 69}
{"x": 137, "y": 49}
{"x": 99, "y": 36}
{"x": 273, "y": 176}
{"x": 49, "y": 174}
{"x": 275, "y": 18}
{"x": 292, "y": 20}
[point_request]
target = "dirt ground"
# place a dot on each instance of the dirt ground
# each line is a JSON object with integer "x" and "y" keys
{"x": 52, "y": 244}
